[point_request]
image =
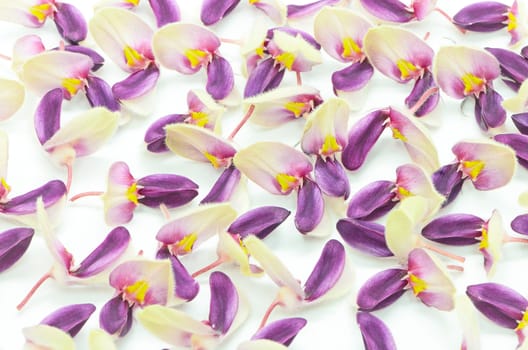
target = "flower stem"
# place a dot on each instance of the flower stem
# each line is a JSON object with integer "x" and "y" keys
{"x": 86, "y": 194}
{"x": 165, "y": 211}
{"x": 33, "y": 290}
{"x": 510, "y": 239}
{"x": 231, "y": 41}
{"x": 242, "y": 122}
{"x": 69, "y": 168}
{"x": 299, "y": 78}
{"x": 209, "y": 267}
{"x": 443, "y": 13}
{"x": 428, "y": 93}
{"x": 455, "y": 268}
{"x": 268, "y": 312}
{"x": 5, "y": 57}
{"x": 443, "y": 252}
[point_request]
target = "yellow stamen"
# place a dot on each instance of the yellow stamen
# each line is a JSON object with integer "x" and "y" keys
{"x": 523, "y": 322}
{"x": 195, "y": 57}
{"x": 187, "y": 242}
{"x": 41, "y": 12}
{"x": 418, "y": 285}
{"x": 286, "y": 182}
{"x": 473, "y": 168}
{"x": 133, "y": 2}
{"x": 72, "y": 85}
{"x": 297, "y": 108}
{"x": 199, "y": 118}
{"x": 403, "y": 192}
{"x": 406, "y": 68}
{"x": 484, "y": 242}
{"x": 138, "y": 291}
{"x": 133, "y": 57}
{"x": 132, "y": 194}
{"x": 512, "y": 22}
{"x": 251, "y": 2}
{"x": 350, "y": 47}
{"x": 330, "y": 145}
{"x": 398, "y": 135}
{"x": 286, "y": 59}
{"x": 260, "y": 51}
{"x": 472, "y": 83}
{"x": 5, "y": 185}
{"x": 214, "y": 160}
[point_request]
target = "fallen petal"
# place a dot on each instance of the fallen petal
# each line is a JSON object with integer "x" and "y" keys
{"x": 70, "y": 22}
{"x": 373, "y": 201}
{"x": 224, "y": 302}
{"x": 13, "y": 245}
{"x": 155, "y": 134}
{"x": 382, "y": 289}
{"x": 224, "y": 187}
{"x": 12, "y": 95}
{"x": 520, "y": 224}
{"x": 46, "y": 337}
{"x": 71, "y": 318}
{"x": 368, "y": 237}
{"x": 455, "y": 229}
{"x": 165, "y": 11}
{"x": 521, "y": 122}
{"x": 214, "y": 10}
{"x": 266, "y": 76}
{"x": 376, "y": 335}
{"x": 489, "y": 111}
{"x": 51, "y": 193}
{"x": 448, "y": 181}
{"x": 485, "y": 16}
{"x": 47, "y": 115}
{"x": 281, "y": 331}
{"x": 310, "y": 206}
{"x": 259, "y": 221}
{"x": 352, "y": 78}
{"x": 423, "y": 85}
{"x": 99, "y": 94}
{"x": 116, "y": 316}
{"x": 137, "y": 84}
{"x": 331, "y": 177}
{"x": 519, "y": 143}
{"x": 186, "y": 287}
{"x": 169, "y": 189}
{"x": 220, "y": 78}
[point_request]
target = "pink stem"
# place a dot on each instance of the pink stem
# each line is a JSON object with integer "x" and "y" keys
{"x": 231, "y": 41}
{"x": 61, "y": 45}
{"x": 5, "y": 57}
{"x": 242, "y": 122}
{"x": 86, "y": 194}
{"x": 510, "y": 239}
{"x": 443, "y": 252}
{"x": 209, "y": 267}
{"x": 165, "y": 211}
{"x": 426, "y": 36}
{"x": 428, "y": 93}
{"x": 269, "y": 310}
{"x": 455, "y": 268}
{"x": 299, "y": 78}
{"x": 33, "y": 290}
{"x": 69, "y": 167}
{"x": 443, "y": 13}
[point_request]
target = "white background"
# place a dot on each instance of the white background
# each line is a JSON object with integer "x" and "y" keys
{"x": 330, "y": 325}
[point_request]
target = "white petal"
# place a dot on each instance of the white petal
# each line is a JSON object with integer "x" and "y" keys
{"x": 47, "y": 337}
{"x": 100, "y": 340}
{"x": 11, "y": 97}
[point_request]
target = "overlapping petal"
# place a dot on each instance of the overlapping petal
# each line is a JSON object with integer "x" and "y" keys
{"x": 12, "y": 95}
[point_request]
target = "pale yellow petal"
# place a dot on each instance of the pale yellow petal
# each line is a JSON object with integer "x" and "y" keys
{"x": 11, "y": 97}
{"x": 47, "y": 337}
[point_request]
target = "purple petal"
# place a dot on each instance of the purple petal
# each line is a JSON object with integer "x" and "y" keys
{"x": 389, "y": 10}
{"x": 454, "y": 229}
{"x": 99, "y": 93}
{"x": 327, "y": 271}
{"x": 186, "y": 287}
{"x": 51, "y": 192}
{"x": 224, "y": 302}
{"x": 281, "y": 331}
{"x": 499, "y": 303}
{"x": 266, "y": 76}
{"x": 116, "y": 316}
{"x": 382, "y": 289}
{"x": 70, "y": 22}
{"x": 376, "y": 335}
{"x": 224, "y": 187}
{"x": 520, "y": 224}
{"x": 512, "y": 65}
{"x": 422, "y": 85}
{"x": 353, "y": 77}
{"x": 13, "y": 244}
{"x": 220, "y": 78}
{"x": 489, "y": 111}
{"x": 362, "y": 138}
{"x": 171, "y": 190}
{"x": 136, "y": 84}
{"x": 368, "y": 237}
{"x": 165, "y": 11}
{"x": 448, "y": 181}
{"x": 214, "y": 10}
{"x": 519, "y": 143}
{"x": 70, "y": 318}
{"x": 524, "y": 52}
{"x": 259, "y": 221}
{"x": 113, "y": 246}
{"x": 47, "y": 115}
{"x": 372, "y": 201}
{"x": 97, "y": 59}
{"x": 310, "y": 206}
{"x": 515, "y": 86}
{"x": 331, "y": 177}
{"x": 521, "y": 122}
{"x": 485, "y": 16}
{"x": 155, "y": 135}
{"x": 299, "y": 11}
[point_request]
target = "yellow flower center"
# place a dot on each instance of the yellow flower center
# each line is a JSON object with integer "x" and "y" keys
{"x": 213, "y": 159}
{"x": 132, "y": 194}
{"x": 137, "y": 291}
{"x": 286, "y": 182}
{"x": 286, "y": 59}
{"x": 133, "y": 2}
{"x": 199, "y": 118}
{"x": 403, "y": 192}
{"x": 523, "y": 322}
{"x": 297, "y": 108}
{"x": 72, "y": 85}
{"x": 330, "y": 145}
{"x": 418, "y": 285}
{"x": 41, "y": 12}
{"x": 187, "y": 242}
{"x": 472, "y": 83}
{"x": 398, "y": 135}
{"x": 133, "y": 58}
{"x": 260, "y": 51}
{"x": 473, "y": 168}
{"x": 407, "y": 69}
{"x": 196, "y": 57}
{"x": 512, "y": 22}
{"x": 350, "y": 48}
{"x": 251, "y": 2}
